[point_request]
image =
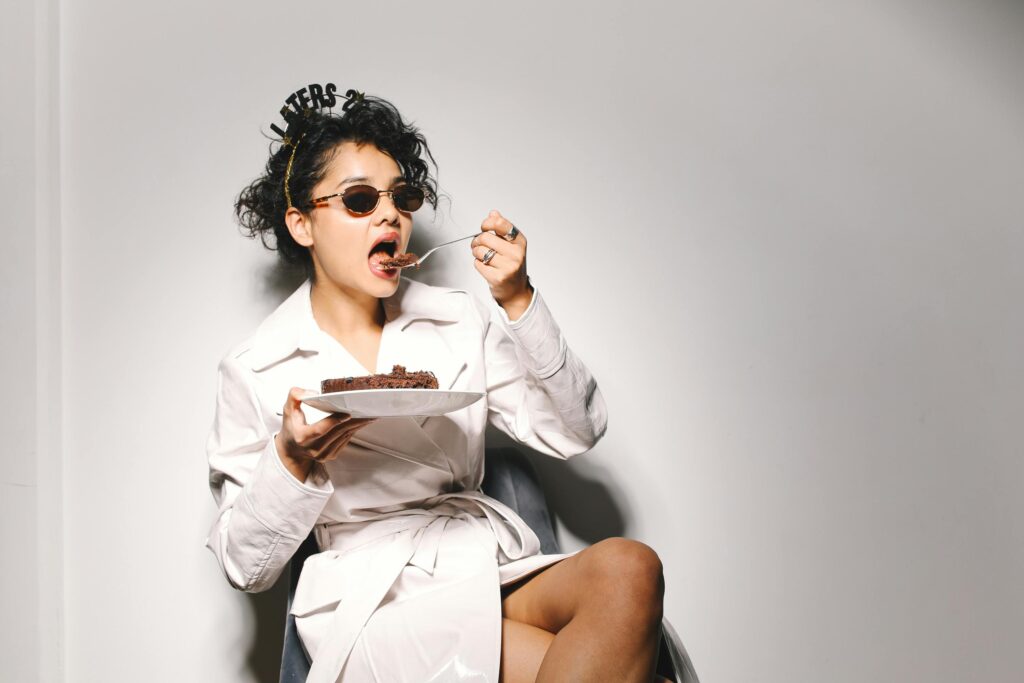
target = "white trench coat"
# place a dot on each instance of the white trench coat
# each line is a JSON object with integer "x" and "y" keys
{"x": 406, "y": 586}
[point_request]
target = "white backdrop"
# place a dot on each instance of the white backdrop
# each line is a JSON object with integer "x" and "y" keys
{"x": 785, "y": 236}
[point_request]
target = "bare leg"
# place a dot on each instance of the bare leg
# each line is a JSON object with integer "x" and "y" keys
{"x": 522, "y": 650}
{"x": 604, "y": 606}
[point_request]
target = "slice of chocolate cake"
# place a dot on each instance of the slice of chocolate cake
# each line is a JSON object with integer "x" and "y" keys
{"x": 398, "y": 378}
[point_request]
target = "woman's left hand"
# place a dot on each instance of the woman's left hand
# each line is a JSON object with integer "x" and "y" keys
{"x": 505, "y": 270}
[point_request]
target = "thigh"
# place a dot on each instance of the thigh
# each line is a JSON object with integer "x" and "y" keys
{"x": 547, "y": 599}
{"x": 522, "y": 650}
{"x": 616, "y": 571}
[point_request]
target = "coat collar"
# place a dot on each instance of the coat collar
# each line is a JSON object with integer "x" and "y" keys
{"x": 292, "y": 329}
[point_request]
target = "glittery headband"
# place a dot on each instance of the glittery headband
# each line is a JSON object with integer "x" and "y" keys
{"x": 297, "y": 111}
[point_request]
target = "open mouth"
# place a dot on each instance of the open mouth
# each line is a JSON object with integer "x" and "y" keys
{"x": 384, "y": 249}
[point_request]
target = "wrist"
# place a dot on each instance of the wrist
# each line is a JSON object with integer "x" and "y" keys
{"x": 299, "y": 468}
{"x": 516, "y": 305}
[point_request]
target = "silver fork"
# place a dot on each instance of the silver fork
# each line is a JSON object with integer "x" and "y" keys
{"x": 421, "y": 259}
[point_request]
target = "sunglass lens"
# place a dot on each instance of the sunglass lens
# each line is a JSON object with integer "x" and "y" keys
{"x": 360, "y": 198}
{"x": 408, "y": 198}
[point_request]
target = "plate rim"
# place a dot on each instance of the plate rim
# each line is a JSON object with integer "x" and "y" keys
{"x": 382, "y": 390}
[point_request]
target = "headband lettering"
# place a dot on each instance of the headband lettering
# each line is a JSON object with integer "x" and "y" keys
{"x": 313, "y": 96}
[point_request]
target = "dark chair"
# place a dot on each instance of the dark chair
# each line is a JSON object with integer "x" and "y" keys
{"x": 511, "y": 479}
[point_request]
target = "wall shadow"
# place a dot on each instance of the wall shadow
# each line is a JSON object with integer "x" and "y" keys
{"x": 277, "y": 280}
{"x": 269, "y": 612}
{"x": 579, "y": 493}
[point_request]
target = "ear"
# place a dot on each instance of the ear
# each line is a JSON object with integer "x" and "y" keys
{"x": 299, "y": 226}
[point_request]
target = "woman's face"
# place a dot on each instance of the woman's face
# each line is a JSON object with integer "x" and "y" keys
{"x": 340, "y": 242}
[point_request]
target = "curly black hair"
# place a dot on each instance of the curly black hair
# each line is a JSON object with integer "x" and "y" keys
{"x": 261, "y": 206}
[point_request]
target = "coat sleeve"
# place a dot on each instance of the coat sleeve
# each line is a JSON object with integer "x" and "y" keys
{"x": 264, "y": 513}
{"x": 538, "y": 391}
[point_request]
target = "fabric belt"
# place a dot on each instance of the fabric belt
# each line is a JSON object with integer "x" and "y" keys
{"x": 402, "y": 538}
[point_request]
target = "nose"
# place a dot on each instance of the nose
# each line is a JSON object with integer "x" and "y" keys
{"x": 387, "y": 209}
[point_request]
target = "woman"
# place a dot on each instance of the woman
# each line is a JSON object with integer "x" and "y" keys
{"x": 421, "y": 576}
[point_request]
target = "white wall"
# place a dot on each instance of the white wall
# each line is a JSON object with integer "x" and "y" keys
{"x": 31, "y": 564}
{"x": 785, "y": 236}
{"x": 18, "y": 590}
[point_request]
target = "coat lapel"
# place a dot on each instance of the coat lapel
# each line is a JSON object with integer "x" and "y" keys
{"x": 417, "y": 335}
{"x": 420, "y": 333}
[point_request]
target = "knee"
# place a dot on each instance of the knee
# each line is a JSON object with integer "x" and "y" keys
{"x": 621, "y": 569}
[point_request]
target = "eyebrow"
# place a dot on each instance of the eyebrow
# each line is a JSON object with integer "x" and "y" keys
{"x": 364, "y": 179}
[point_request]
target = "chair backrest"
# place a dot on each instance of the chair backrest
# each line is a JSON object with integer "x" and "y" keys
{"x": 511, "y": 478}
{"x": 294, "y": 664}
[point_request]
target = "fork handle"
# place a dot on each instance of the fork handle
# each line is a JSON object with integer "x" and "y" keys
{"x": 445, "y": 244}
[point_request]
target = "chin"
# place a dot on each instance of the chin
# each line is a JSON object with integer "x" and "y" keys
{"x": 383, "y": 288}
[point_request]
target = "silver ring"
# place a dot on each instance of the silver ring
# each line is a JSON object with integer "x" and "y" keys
{"x": 488, "y": 256}
{"x": 511, "y": 235}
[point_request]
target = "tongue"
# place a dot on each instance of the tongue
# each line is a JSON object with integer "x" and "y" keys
{"x": 378, "y": 256}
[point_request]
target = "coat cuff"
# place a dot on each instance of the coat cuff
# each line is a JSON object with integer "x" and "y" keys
{"x": 281, "y": 502}
{"x": 537, "y": 333}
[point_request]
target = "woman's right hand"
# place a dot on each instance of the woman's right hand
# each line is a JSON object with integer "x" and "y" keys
{"x": 300, "y": 445}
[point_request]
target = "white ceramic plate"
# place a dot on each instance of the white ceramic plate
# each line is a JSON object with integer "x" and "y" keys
{"x": 393, "y": 402}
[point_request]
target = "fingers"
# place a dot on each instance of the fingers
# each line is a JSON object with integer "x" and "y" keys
{"x": 505, "y": 269}
{"x": 490, "y": 274}
{"x": 324, "y": 439}
{"x": 294, "y": 420}
{"x": 502, "y": 226}
{"x": 320, "y": 441}
{"x": 293, "y": 414}
{"x": 507, "y": 256}
{"x": 499, "y": 244}
{"x": 495, "y": 261}
{"x": 349, "y": 425}
{"x": 324, "y": 427}
{"x": 338, "y": 438}
{"x": 506, "y": 263}
{"x": 495, "y": 221}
